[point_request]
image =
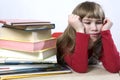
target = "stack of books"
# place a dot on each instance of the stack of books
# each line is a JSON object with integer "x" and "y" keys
{"x": 27, "y": 48}
{"x": 27, "y": 40}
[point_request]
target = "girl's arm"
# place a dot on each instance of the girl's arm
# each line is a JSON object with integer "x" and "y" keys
{"x": 78, "y": 60}
{"x": 110, "y": 57}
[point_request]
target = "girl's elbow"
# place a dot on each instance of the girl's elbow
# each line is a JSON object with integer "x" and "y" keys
{"x": 80, "y": 70}
{"x": 114, "y": 70}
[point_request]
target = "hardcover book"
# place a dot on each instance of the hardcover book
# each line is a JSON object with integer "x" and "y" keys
{"x": 27, "y": 24}
{"x": 21, "y": 21}
{"x": 24, "y": 36}
{"x": 32, "y": 27}
{"x": 40, "y": 55}
{"x": 24, "y": 71}
{"x": 10, "y": 60}
{"x": 27, "y": 46}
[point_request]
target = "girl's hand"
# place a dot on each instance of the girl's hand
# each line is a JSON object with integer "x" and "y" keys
{"x": 75, "y": 22}
{"x": 107, "y": 25}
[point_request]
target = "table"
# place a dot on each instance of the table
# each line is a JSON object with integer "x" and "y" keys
{"x": 94, "y": 73}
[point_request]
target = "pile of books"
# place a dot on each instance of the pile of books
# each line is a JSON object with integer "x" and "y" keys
{"x": 26, "y": 40}
{"x": 28, "y": 43}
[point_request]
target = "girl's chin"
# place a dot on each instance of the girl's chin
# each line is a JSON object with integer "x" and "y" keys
{"x": 94, "y": 38}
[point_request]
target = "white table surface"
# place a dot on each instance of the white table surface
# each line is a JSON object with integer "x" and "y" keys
{"x": 94, "y": 73}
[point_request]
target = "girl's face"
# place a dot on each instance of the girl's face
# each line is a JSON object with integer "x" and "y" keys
{"x": 93, "y": 27}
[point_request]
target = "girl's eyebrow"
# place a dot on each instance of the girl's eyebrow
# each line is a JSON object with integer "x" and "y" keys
{"x": 92, "y": 19}
{"x": 86, "y": 19}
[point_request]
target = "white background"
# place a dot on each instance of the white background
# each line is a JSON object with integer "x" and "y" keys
{"x": 57, "y": 12}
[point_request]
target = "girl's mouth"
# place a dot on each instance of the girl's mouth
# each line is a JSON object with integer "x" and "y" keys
{"x": 94, "y": 33}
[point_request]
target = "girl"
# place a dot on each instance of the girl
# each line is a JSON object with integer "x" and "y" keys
{"x": 87, "y": 40}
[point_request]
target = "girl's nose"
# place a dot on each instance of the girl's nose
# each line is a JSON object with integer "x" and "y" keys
{"x": 93, "y": 26}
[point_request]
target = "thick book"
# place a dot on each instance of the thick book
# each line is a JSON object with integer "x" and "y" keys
{"x": 40, "y": 55}
{"x": 24, "y": 36}
{"x": 13, "y": 60}
{"x": 24, "y": 71}
{"x": 28, "y": 46}
{"x": 29, "y": 25}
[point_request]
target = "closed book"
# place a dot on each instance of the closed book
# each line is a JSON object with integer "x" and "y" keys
{"x": 24, "y": 36}
{"x": 40, "y": 55}
{"x": 33, "y": 71}
{"x": 32, "y": 27}
{"x": 16, "y": 60}
{"x": 27, "y": 24}
{"x": 28, "y": 46}
{"x": 21, "y": 21}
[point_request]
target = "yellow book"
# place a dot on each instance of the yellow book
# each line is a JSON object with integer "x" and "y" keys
{"x": 40, "y": 55}
{"x": 8, "y": 77}
{"x": 24, "y": 36}
{"x": 6, "y": 60}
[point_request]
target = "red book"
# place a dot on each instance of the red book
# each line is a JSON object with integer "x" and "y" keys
{"x": 28, "y": 46}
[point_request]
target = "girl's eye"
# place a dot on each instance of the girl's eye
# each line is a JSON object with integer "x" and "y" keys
{"x": 87, "y": 22}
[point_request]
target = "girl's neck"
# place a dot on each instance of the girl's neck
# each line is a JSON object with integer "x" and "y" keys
{"x": 91, "y": 43}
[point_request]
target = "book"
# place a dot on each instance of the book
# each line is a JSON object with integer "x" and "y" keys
{"x": 33, "y": 71}
{"x": 10, "y": 61}
{"x": 31, "y": 27}
{"x": 8, "y": 67}
{"x": 28, "y": 46}
{"x": 21, "y": 21}
{"x": 27, "y": 24}
{"x": 43, "y": 54}
{"x": 24, "y": 36}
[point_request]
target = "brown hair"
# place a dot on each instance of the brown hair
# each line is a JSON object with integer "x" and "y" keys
{"x": 66, "y": 42}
